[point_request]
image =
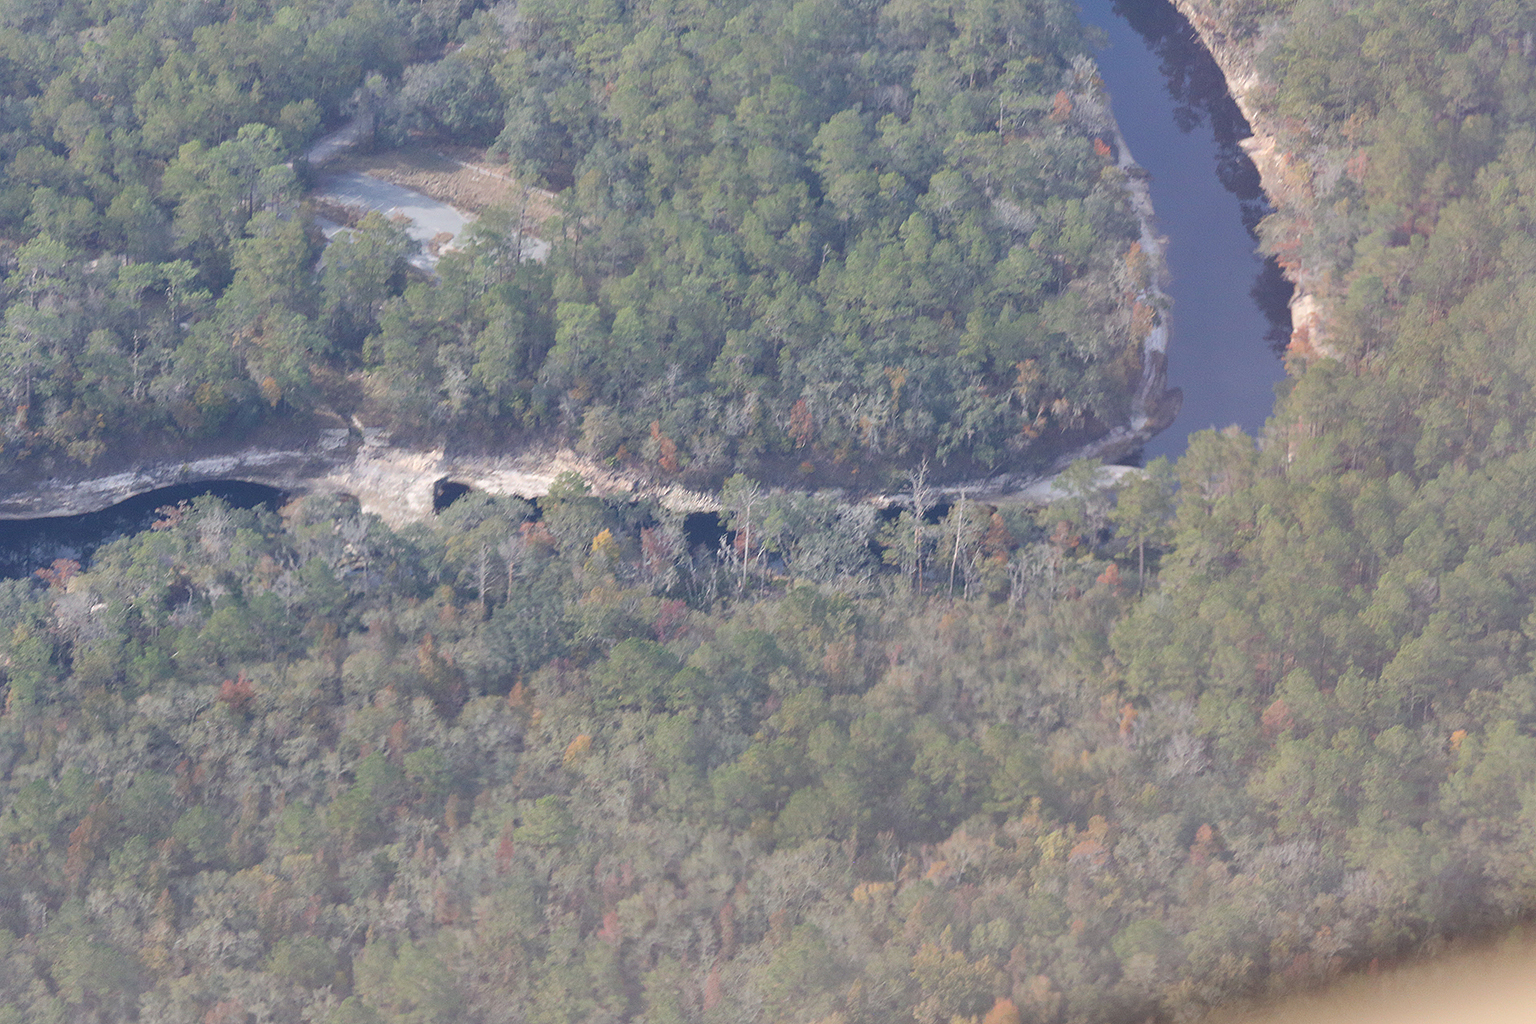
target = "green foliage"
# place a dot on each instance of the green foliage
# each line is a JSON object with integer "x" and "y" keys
{"x": 306, "y": 961}
{"x": 638, "y": 675}
{"x": 410, "y": 984}
{"x": 165, "y": 258}
{"x": 547, "y": 822}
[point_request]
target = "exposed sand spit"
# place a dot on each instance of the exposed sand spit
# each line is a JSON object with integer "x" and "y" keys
{"x": 458, "y": 176}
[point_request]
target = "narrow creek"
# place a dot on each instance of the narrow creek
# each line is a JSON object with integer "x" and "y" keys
{"x": 1230, "y": 319}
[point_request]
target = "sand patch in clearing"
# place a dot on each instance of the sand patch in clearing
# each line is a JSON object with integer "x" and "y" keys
{"x": 459, "y": 176}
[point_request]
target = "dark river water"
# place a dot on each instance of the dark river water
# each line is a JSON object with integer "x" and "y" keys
{"x": 1230, "y": 321}
{"x": 27, "y": 545}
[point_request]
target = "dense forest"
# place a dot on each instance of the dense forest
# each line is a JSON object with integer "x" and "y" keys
{"x": 1256, "y": 719}
{"x": 797, "y": 239}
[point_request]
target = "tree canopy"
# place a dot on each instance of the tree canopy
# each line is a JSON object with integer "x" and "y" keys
{"x": 796, "y": 239}
{"x": 1255, "y": 719}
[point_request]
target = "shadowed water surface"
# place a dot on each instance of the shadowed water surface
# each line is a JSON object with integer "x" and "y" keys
{"x": 1230, "y": 320}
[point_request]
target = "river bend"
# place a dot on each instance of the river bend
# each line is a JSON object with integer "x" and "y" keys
{"x": 1229, "y": 318}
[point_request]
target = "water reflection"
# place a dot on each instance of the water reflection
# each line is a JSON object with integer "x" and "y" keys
{"x": 1200, "y": 100}
{"x": 1200, "y": 97}
{"x": 1271, "y": 292}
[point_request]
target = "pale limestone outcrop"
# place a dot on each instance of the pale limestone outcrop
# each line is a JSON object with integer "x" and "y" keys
{"x": 396, "y": 482}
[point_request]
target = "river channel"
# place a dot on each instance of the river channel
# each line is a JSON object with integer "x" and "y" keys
{"x": 27, "y": 545}
{"x": 1230, "y": 319}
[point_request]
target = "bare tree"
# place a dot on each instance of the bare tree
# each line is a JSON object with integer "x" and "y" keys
{"x": 354, "y": 533}
{"x": 739, "y": 496}
{"x": 957, "y": 514}
{"x": 511, "y": 551}
{"x": 922, "y": 502}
